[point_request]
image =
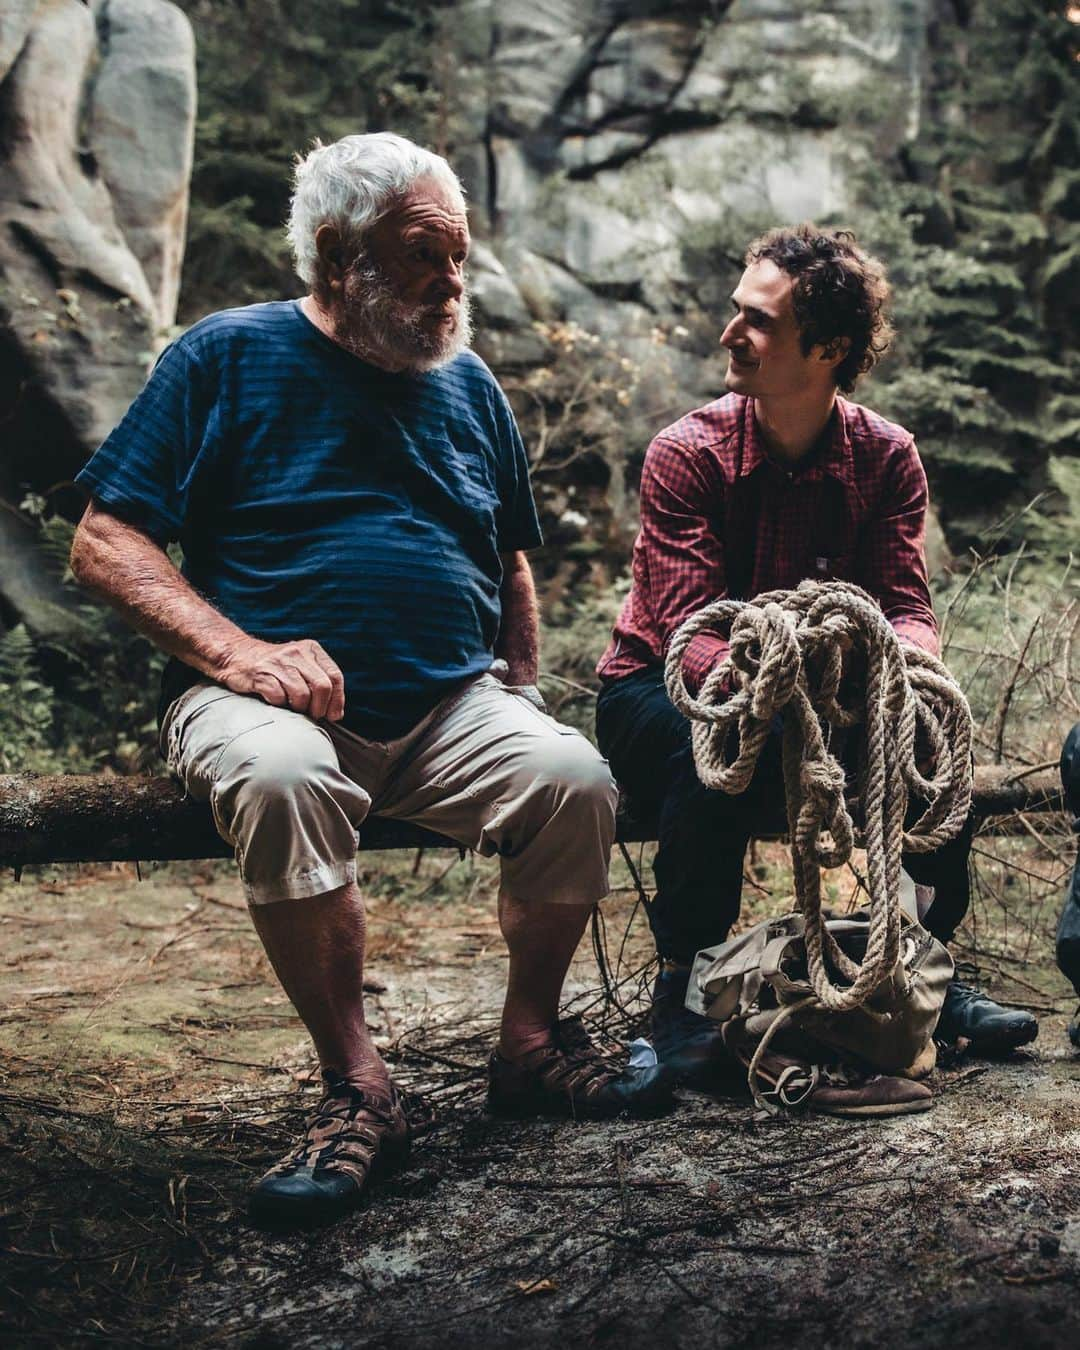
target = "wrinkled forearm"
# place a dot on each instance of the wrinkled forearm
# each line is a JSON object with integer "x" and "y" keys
{"x": 518, "y": 643}
{"x": 124, "y": 566}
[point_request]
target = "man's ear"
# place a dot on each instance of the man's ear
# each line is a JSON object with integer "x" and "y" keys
{"x": 332, "y": 261}
{"x": 832, "y": 353}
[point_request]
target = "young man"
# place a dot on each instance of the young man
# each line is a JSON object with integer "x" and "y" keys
{"x": 779, "y": 480}
{"x": 353, "y": 501}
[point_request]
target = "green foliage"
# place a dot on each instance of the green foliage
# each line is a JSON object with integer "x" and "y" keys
{"x": 1056, "y": 533}
{"x": 573, "y": 637}
{"x": 1009, "y": 626}
{"x": 82, "y": 707}
{"x": 26, "y": 720}
{"x": 979, "y": 226}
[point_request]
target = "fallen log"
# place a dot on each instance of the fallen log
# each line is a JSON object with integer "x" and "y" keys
{"x": 103, "y": 818}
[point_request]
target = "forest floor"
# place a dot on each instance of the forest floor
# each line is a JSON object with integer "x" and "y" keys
{"x": 150, "y": 1068}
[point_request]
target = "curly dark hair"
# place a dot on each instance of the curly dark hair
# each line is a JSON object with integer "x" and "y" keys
{"x": 838, "y": 291}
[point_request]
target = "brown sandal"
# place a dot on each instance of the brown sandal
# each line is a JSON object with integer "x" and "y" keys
{"x": 570, "y": 1077}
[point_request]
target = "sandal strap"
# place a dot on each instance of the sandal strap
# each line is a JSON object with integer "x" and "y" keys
{"x": 572, "y": 1064}
{"x": 343, "y": 1133}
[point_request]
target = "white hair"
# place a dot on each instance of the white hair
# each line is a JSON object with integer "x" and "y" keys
{"x": 351, "y": 185}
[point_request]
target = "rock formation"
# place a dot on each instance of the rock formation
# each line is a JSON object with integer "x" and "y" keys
{"x": 618, "y": 155}
{"x": 615, "y": 132}
{"x": 627, "y": 150}
{"x": 96, "y": 133}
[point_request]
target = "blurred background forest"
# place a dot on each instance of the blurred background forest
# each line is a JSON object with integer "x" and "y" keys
{"x": 618, "y": 155}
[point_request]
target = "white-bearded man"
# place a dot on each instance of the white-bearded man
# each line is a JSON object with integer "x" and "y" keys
{"x": 352, "y": 499}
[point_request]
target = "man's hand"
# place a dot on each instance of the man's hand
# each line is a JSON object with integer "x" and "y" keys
{"x": 125, "y": 566}
{"x": 295, "y": 675}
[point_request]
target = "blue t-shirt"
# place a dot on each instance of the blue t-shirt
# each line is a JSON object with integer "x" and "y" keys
{"x": 316, "y": 496}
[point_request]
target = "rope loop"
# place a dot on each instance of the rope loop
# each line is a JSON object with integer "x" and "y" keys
{"x": 823, "y": 659}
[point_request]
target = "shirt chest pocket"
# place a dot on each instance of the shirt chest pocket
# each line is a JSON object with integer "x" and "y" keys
{"x": 832, "y": 567}
{"x": 466, "y": 472}
{"x": 830, "y": 546}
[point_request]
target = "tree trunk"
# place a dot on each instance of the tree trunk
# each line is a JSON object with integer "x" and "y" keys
{"x": 98, "y": 818}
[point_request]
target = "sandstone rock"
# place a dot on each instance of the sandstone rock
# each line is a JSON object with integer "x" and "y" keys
{"x": 550, "y": 291}
{"x": 583, "y": 155}
{"x": 143, "y": 97}
{"x": 637, "y": 147}
{"x": 493, "y": 292}
{"x": 15, "y": 19}
{"x": 81, "y": 302}
{"x": 538, "y": 48}
{"x": 607, "y": 246}
{"x": 639, "y": 68}
{"x": 505, "y": 335}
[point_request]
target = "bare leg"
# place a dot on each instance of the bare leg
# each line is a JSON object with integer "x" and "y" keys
{"x": 542, "y": 940}
{"x": 316, "y": 946}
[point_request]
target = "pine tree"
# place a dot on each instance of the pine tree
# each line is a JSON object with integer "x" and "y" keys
{"x": 982, "y": 223}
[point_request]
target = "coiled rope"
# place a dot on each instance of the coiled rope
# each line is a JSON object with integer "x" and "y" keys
{"x": 789, "y": 654}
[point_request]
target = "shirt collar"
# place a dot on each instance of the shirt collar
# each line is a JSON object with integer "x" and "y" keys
{"x": 832, "y": 455}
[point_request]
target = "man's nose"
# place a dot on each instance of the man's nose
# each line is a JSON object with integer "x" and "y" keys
{"x": 452, "y": 280}
{"x": 730, "y": 336}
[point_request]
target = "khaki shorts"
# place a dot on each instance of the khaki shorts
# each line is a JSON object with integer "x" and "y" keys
{"x": 485, "y": 767}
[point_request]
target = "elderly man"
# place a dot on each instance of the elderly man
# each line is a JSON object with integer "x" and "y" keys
{"x": 779, "y": 480}
{"x": 352, "y": 499}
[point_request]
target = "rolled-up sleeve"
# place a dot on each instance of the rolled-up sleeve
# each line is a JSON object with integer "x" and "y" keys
{"x": 892, "y": 552}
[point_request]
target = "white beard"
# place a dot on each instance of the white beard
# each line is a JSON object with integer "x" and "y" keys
{"x": 376, "y": 325}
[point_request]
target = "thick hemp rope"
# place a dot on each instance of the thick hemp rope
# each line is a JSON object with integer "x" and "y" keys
{"x": 789, "y": 651}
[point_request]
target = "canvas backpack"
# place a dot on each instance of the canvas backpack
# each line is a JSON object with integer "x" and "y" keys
{"x": 748, "y": 981}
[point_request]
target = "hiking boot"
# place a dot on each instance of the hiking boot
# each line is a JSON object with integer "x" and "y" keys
{"x": 352, "y": 1134}
{"x": 829, "y": 1089}
{"x": 989, "y": 1029}
{"x": 571, "y": 1077}
{"x": 687, "y": 1043}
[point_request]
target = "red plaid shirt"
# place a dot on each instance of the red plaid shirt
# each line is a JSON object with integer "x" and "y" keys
{"x": 719, "y": 518}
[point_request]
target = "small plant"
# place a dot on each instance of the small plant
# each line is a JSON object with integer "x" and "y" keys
{"x": 26, "y": 715}
{"x": 83, "y": 705}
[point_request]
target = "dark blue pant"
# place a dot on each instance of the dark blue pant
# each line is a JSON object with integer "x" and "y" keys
{"x": 1068, "y": 933}
{"x": 703, "y": 833}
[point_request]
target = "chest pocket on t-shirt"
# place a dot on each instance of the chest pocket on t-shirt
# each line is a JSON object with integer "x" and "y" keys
{"x": 465, "y": 475}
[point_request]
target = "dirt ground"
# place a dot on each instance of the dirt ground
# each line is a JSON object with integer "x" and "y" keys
{"x": 150, "y": 1068}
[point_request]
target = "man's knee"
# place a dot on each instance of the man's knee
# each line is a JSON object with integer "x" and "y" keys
{"x": 266, "y": 767}
{"x": 267, "y": 779}
{"x": 555, "y": 833}
{"x": 577, "y": 777}
{"x": 281, "y": 799}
